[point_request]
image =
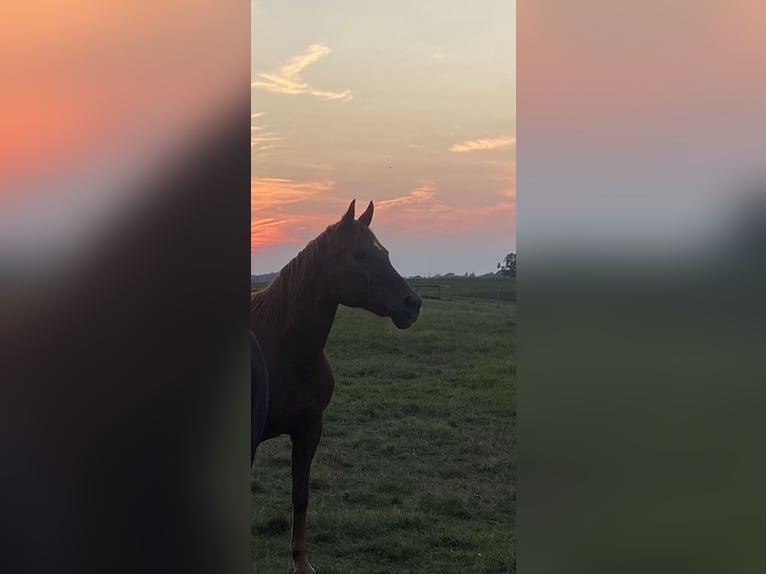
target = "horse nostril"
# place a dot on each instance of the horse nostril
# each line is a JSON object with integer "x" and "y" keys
{"x": 413, "y": 302}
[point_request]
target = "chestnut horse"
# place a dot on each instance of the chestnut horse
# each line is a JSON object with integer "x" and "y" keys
{"x": 259, "y": 395}
{"x": 292, "y": 318}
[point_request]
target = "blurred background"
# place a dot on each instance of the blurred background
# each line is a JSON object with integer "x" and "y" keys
{"x": 641, "y": 214}
{"x": 124, "y": 189}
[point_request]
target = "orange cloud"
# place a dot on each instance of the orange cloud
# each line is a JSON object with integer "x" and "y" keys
{"x": 424, "y": 193}
{"x": 273, "y": 192}
{"x": 268, "y": 231}
{"x": 483, "y": 144}
{"x": 424, "y": 211}
{"x": 287, "y": 80}
{"x": 293, "y": 211}
{"x": 285, "y": 210}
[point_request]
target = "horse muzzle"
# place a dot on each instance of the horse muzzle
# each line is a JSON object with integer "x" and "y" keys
{"x": 406, "y": 315}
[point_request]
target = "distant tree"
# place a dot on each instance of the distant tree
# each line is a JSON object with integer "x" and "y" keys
{"x": 507, "y": 267}
{"x": 472, "y": 274}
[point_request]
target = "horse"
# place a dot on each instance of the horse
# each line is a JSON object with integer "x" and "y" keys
{"x": 292, "y": 318}
{"x": 259, "y": 395}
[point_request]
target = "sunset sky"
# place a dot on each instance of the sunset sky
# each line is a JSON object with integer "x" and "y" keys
{"x": 411, "y": 105}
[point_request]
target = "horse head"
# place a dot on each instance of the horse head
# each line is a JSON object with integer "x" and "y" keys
{"x": 360, "y": 274}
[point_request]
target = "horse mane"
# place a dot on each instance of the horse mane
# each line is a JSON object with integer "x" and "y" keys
{"x": 273, "y": 305}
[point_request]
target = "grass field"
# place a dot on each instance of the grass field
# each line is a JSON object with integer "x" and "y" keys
{"x": 415, "y": 471}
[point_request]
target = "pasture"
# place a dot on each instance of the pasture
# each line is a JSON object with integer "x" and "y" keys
{"x": 415, "y": 470}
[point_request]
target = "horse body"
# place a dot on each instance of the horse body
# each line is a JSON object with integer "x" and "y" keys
{"x": 301, "y": 381}
{"x": 292, "y": 319}
{"x": 309, "y": 388}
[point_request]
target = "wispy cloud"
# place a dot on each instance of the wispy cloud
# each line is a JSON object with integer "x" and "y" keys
{"x": 262, "y": 141}
{"x": 425, "y": 192}
{"x": 483, "y": 144}
{"x": 263, "y": 145}
{"x": 279, "y": 207}
{"x": 287, "y": 80}
{"x": 268, "y": 231}
{"x": 424, "y": 211}
{"x": 270, "y": 193}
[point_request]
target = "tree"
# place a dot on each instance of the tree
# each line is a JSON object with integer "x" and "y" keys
{"x": 507, "y": 267}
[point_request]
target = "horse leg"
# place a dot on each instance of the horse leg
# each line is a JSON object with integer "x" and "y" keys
{"x": 304, "y": 447}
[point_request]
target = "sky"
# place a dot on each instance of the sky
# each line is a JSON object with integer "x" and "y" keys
{"x": 410, "y": 105}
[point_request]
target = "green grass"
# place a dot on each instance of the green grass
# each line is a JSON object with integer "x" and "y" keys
{"x": 415, "y": 471}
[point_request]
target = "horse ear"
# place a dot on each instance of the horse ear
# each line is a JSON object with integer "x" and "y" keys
{"x": 349, "y": 216}
{"x": 366, "y": 217}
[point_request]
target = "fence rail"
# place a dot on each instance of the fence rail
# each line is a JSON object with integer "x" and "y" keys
{"x": 463, "y": 292}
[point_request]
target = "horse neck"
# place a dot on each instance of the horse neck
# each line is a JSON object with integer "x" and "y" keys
{"x": 312, "y": 321}
{"x": 308, "y": 310}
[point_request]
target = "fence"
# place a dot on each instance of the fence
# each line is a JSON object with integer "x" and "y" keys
{"x": 432, "y": 290}
{"x": 458, "y": 292}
